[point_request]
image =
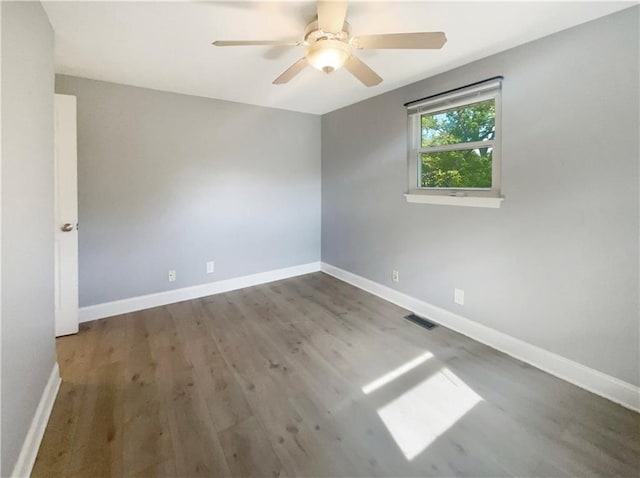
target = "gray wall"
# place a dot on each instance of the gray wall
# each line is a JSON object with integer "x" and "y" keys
{"x": 557, "y": 265}
{"x": 28, "y": 348}
{"x": 169, "y": 181}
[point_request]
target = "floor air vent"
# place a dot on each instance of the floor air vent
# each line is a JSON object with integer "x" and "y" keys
{"x": 420, "y": 321}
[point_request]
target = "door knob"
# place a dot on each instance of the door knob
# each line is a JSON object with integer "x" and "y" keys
{"x": 67, "y": 228}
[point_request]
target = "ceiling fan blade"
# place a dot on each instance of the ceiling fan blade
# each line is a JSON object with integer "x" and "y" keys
{"x": 292, "y": 71}
{"x": 331, "y": 15}
{"x": 361, "y": 71}
{"x": 257, "y": 43}
{"x": 401, "y": 41}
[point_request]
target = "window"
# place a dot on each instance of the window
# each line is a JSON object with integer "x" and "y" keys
{"x": 454, "y": 153}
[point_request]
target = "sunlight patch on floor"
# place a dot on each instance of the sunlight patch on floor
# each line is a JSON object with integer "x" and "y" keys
{"x": 401, "y": 370}
{"x": 420, "y": 415}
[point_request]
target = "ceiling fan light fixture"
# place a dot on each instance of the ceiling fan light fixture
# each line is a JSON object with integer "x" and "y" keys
{"x": 328, "y": 55}
{"x": 329, "y": 44}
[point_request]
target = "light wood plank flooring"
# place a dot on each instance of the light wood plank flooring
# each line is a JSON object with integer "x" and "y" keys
{"x": 313, "y": 377}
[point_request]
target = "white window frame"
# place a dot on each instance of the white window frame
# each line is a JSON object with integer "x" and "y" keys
{"x": 475, "y": 197}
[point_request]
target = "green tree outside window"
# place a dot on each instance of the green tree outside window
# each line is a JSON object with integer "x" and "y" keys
{"x": 467, "y": 167}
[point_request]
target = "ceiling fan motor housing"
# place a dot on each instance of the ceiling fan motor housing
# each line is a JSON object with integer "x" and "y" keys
{"x": 327, "y": 51}
{"x": 312, "y": 33}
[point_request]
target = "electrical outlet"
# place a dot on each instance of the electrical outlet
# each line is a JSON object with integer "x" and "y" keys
{"x": 172, "y": 276}
{"x": 458, "y": 296}
{"x": 395, "y": 276}
{"x": 211, "y": 266}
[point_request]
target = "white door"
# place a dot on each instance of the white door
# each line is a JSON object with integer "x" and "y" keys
{"x": 66, "y": 215}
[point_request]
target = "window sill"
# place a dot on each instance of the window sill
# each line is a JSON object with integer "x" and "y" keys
{"x": 468, "y": 201}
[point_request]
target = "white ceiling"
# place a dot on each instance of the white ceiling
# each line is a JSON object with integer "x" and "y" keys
{"x": 167, "y": 45}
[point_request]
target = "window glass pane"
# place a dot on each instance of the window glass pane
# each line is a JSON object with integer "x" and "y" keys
{"x": 474, "y": 122}
{"x": 466, "y": 168}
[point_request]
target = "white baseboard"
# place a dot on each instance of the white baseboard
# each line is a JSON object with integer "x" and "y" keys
{"x": 133, "y": 304}
{"x": 592, "y": 380}
{"x": 31, "y": 444}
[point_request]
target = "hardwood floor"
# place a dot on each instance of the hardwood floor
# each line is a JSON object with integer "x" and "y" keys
{"x": 313, "y": 377}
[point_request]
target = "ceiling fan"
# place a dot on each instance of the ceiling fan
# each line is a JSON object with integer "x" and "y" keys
{"x": 329, "y": 44}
